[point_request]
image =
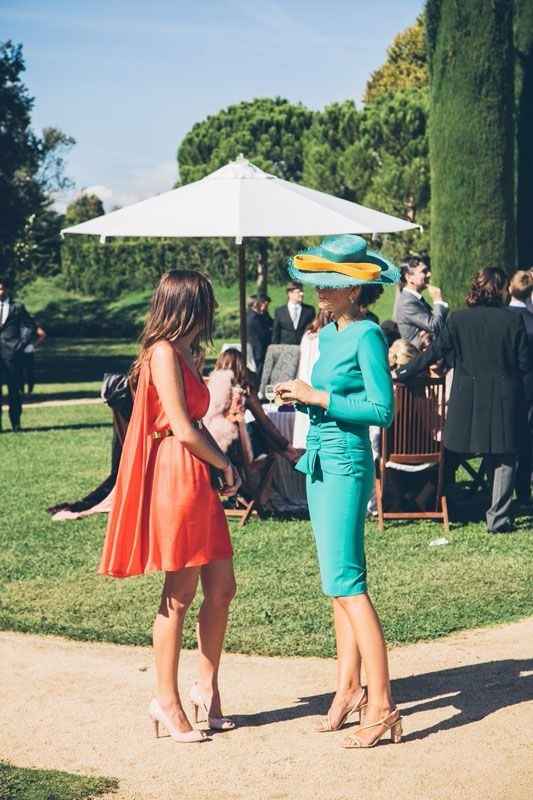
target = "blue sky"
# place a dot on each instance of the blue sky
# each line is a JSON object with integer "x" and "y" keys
{"x": 129, "y": 79}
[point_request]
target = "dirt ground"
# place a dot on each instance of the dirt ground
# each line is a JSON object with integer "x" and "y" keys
{"x": 467, "y": 702}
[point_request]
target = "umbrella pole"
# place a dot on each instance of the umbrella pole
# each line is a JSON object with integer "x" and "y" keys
{"x": 242, "y": 300}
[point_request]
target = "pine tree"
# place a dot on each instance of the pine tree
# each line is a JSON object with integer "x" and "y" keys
{"x": 523, "y": 24}
{"x": 471, "y": 139}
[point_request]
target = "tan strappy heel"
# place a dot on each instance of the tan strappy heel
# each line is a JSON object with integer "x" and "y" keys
{"x": 392, "y": 723}
{"x": 216, "y": 723}
{"x": 324, "y": 725}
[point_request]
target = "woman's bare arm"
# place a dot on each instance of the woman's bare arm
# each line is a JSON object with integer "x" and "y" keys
{"x": 168, "y": 381}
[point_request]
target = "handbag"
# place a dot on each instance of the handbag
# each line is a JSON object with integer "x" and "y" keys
{"x": 116, "y": 392}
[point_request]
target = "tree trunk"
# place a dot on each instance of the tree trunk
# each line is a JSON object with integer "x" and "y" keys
{"x": 471, "y": 139}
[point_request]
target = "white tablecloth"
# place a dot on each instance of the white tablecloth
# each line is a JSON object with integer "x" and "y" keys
{"x": 283, "y": 420}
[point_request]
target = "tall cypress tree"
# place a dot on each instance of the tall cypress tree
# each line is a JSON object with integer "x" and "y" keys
{"x": 523, "y": 24}
{"x": 471, "y": 139}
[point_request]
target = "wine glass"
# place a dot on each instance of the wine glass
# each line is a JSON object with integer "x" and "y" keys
{"x": 270, "y": 394}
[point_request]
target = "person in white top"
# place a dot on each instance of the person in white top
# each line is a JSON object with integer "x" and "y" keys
{"x": 308, "y": 357}
{"x": 412, "y": 312}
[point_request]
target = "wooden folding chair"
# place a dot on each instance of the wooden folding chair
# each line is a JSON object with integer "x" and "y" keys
{"x": 415, "y": 437}
{"x": 256, "y": 474}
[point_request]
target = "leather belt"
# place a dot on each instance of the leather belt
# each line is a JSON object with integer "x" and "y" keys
{"x": 162, "y": 434}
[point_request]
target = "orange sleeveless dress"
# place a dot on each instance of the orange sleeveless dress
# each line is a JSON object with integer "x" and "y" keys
{"x": 166, "y": 514}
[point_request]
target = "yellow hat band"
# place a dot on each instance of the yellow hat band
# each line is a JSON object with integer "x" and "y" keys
{"x": 359, "y": 270}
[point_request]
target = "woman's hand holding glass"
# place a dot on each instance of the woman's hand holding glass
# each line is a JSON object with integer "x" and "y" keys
{"x": 298, "y": 391}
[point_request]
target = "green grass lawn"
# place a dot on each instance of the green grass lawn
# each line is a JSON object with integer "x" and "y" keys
{"x": 48, "y": 580}
{"x": 43, "y": 784}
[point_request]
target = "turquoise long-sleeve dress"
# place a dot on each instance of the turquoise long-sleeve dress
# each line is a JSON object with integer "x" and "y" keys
{"x": 353, "y": 368}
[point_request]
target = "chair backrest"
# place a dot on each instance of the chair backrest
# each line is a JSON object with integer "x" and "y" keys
{"x": 415, "y": 435}
{"x": 281, "y": 364}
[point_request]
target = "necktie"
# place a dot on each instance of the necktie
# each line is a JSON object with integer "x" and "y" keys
{"x": 294, "y": 316}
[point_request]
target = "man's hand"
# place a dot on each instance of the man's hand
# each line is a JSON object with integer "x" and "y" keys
{"x": 435, "y": 293}
{"x": 424, "y": 340}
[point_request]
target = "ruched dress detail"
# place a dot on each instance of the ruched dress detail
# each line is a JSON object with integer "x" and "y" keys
{"x": 166, "y": 515}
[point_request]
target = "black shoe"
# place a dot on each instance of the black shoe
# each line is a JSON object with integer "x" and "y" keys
{"x": 17, "y": 428}
{"x": 504, "y": 529}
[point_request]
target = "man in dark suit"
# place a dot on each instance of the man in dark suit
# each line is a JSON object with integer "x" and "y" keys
{"x": 17, "y": 329}
{"x": 292, "y": 319}
{"x": 412, "y": 312}
{"x": 520, "y": 289}
{"x": 488, "y": 348}
{"x": 259, "y": 325}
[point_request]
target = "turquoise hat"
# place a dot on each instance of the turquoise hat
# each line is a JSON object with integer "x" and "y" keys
{"x": 340, "y": 261}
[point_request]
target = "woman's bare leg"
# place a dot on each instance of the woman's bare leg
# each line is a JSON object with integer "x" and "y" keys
{"x": 218, "y": 583}
{"x": 348, "y": 665}
{"x": 370, "y": 640}
{"x": 178, "y": 593}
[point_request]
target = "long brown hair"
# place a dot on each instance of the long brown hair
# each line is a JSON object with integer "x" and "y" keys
{"x": 231, "y": 358}
{"x": 489, "y": 288}
{"x": 182, "y": 302}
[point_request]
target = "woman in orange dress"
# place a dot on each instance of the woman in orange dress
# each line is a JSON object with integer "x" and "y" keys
{"x": 166, "y": 513}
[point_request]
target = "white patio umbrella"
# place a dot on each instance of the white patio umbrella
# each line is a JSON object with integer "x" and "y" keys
{"x": 241, "y": 201}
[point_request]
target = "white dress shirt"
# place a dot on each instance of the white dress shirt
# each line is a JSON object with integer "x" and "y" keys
{"x": 519, "y": 303}
{"x": 419, "y": 297}
{"x": 295, "y": 310}
{"x": 4, "y": 310}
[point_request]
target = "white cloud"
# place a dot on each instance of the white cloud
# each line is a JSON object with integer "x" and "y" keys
{"x": 143, "y": 182}
{"x": 139, "y": 184}
{"x": 105, "y": 193}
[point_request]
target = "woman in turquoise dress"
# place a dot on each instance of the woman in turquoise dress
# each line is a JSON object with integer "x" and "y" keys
{"x": 351, "y": 389}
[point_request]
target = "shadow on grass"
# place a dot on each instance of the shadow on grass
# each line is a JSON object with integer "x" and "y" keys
{"x": 76, "y": 427}
{"x": 473, "y": 691}
{"x": 76, "y": 368}
{"x": 76, "y": 394}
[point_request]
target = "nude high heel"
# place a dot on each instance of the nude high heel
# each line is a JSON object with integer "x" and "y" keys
{"x": 359, "y": 706}
{"x": 157, "y": 715}
{"x": 392, "y": 723}
{"x": 216, "y": 723}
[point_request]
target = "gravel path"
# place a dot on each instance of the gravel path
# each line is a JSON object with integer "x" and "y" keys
{"x": 467, "y": 702}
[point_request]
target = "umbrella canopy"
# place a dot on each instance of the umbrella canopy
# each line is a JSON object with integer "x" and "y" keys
{"x": 240, "y": 201}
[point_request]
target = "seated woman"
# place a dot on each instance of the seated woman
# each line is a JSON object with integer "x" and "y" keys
{"x": 232, "y": 394}
{"x": 235, "y": 395}
{"x": 117, "y": 392}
